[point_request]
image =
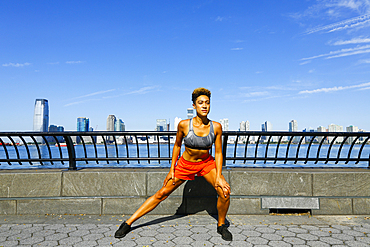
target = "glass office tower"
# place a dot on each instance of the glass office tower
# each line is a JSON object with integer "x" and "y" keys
{"x": 41, "y": 117}
{"x": 82, "y": 124}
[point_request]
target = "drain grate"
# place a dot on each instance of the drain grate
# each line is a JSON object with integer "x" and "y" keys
{"x": 289, "y": 211}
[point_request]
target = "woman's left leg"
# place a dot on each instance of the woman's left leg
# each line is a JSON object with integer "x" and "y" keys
{"x": 222, "y": 201}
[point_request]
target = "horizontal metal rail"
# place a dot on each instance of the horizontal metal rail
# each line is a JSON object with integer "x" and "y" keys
{"x": 254, "y": 147}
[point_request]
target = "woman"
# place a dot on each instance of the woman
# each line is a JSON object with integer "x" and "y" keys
{"x": 199, "y": 134}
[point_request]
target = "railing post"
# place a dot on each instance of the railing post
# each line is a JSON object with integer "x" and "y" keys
{"x": 224, "y": 146}
{"x": 71, "y": 153}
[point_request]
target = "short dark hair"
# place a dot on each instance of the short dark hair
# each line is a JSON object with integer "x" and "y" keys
{"x": 198, "y": 92}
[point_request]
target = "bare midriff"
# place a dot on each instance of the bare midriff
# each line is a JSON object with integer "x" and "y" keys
{"x": 195, "y": 155}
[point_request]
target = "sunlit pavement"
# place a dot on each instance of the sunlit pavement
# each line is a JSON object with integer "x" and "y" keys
{"x": 193, "y": 230}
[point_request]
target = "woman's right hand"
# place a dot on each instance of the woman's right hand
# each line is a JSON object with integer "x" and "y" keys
{"x": 170, "y": 176}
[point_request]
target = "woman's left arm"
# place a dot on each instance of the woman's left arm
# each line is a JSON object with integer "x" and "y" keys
{"x": 220, "y": 180}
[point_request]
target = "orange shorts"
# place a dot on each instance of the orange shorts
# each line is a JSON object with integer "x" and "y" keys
{"x": 186, "y": 170}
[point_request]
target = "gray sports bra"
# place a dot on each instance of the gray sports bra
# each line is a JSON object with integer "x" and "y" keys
{"x": 191, "y": 140}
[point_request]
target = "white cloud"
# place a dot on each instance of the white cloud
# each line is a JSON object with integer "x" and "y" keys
{"x": 357, "y": 40}
{"x": 364, "y": 61}
{"x": 74, "y": 62}
{"x": 96, "y": 93}
{"x": 54, "y": 63}
{"x": 356, "y": 22}
{"x": 334, "y": 89}
{"x": 236, "y": 49}
{"x": 142, "y": 90}
{"x": 255, "y": 94}
{"x": 342, "y": 52}
{"x": 16, "y": 64}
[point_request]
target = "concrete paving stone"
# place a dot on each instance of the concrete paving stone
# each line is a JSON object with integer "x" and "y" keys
{"x": 257, "y": 240}
{"x": 248, "y": 233}
{"x": 330, "y": 230}
{"x": 297, "y": 230}
{"x": 164, "y": 243}
{"x": 355, "y": 228}
{"x": 317, "y": 244}
{"x": 125, "y": 243}
{"x": 21, "y": 226}
{"x": 182, "y": 240}
{"x": 271, "y": 237}
{"x": 182, "y": 233}
{"x": 182, "y": 227}
{"x": 79, "y": 233}
{"x": 86, "y": 244}
{"x": 343, "y": 237}
{"x": 10, "y": 233}
{"x": 31, "y": 241}
{"x": 293, "y": 240}
{"x": 331, "y": 240}
{"x": 306, "y": 236}
{"x": 279, "y": 244}
{"x": 165, "y": 236}
{"x": 310, "y": 228}
{"x": 43, "y": 233}
{"x": 9, "y": 243}
{"x": 66, "y": 229}
{"x": 320, "y": 233}
{"x": 86, "y": 226}
{"x": 353, "y": 233}
{"x": 355, "y": 244}
{"x": 278, "y": 227}
{"x": 99, "y": 230}
{"x": 107, "y": 241}
{"x": 363, "y": 239}
{"x": 199, "y": 229}
{"x": 200, "y": 236}
{"x": 238, "y": 237}
{"x": 2, "y": 239}
{"x": 285, "y": 233}
{"x": 264, "y": 230}
{"x": 70, "y": 241}
{"x": 19, "y": 236}
{"x": 233, "y": 229}
{"x": 166, "y": 229}
{"x": 4, "y": 228}
{"x": 32, "y": 229}
{"x": 57, "y": 236}
{"x": 148, "y": 233}
{"x": 246, "y": 227}
{"x": 46, "y": 243}
{"x": 145, "y": 241}
{"x": 341, "y": 227}
{"x": 241, "y": 243}
{"x": 201, "y": 243}
{"x": 93, "y": 237}
{"x": 218, "y": 241}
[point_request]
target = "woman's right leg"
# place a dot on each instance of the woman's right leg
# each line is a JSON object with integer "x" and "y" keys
{"x": 155, "y": 199}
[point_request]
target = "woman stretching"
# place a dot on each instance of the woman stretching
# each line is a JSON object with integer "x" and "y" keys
{"x": 198, "y": 134}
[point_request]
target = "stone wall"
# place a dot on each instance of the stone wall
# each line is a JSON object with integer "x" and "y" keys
{"x": 122, "y": 191}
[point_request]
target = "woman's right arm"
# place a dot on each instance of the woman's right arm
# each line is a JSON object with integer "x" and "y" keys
{"x": 175, "y": 153}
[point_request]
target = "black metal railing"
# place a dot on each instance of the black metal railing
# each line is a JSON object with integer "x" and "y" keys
{"x": 240, "y": 148}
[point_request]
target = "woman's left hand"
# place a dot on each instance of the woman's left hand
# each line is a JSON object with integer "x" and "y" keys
{"x": 221, "y": 182}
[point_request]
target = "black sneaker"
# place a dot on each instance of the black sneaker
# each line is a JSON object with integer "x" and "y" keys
{"x": 226, "y": 235}
{"x": 122, "y": 230}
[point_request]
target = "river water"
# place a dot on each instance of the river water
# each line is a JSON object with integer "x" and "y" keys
{"x": 164, "y": 152}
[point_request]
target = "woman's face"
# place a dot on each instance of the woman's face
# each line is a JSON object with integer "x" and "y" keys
{"x": 202, "y": 105}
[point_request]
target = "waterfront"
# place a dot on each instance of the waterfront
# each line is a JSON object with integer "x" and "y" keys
{"x": 142, "y": 151}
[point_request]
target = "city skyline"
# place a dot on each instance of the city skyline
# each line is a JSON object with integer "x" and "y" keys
{"x": 275, "y": 60}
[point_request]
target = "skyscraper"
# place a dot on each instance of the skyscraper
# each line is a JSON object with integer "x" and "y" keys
{"x": 190, "y": 113}
{"x": 41, "y": 117}
{"x": 225, "y": 124}
{"x": 83, "y": 124}
{"x": 176, "y": 123}
{"x": 111, "y": 121}
{"x": 293, "y": 127}
{"x": 266, "y": 126}
{"x": 120, "y": 125}
{"x": 161, "y": 125}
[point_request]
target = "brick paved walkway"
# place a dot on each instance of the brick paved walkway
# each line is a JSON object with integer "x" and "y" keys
{"x": 194, "y": 230}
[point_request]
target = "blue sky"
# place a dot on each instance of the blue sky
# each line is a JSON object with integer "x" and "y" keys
{"x": 274, "y": 60}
